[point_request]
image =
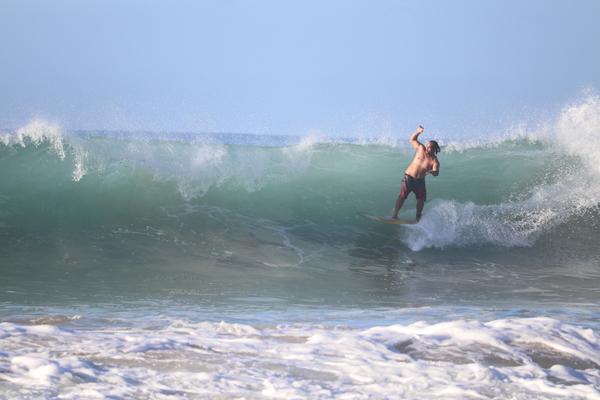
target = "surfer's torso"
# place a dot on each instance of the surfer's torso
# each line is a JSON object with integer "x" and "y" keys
{"x": 421, "y": 164}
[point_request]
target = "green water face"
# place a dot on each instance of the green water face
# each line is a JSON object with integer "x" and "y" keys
{"x": 214, "y": 224}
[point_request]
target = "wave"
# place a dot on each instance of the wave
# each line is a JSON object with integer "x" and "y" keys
{"x": 504, "y": 191}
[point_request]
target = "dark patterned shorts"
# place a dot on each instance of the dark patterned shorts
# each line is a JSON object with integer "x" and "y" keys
{"x": 410, "y": 184}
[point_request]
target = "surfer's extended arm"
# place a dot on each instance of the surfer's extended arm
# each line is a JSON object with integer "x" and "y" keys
{"x": 414, "y": 138}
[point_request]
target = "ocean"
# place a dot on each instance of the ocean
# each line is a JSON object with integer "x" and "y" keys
{"x": 187, "y": 265}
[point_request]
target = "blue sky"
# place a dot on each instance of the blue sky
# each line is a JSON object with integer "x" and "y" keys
{"x": 291, "y": 67}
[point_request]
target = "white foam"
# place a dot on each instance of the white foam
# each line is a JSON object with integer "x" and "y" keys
{"x": 578, "y": 131}
{"x": 37, "y": 132}
{"x": 522, "y": 358}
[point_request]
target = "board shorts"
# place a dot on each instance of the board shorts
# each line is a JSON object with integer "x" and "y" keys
{"x": 410, "y": 184}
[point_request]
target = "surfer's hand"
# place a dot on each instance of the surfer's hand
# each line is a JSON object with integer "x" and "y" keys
{"x": 420, "y": 129}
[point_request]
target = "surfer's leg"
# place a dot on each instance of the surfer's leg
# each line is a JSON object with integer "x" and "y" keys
{"x": 404, "y": 191}
{"x": 420, "y": 204}
{"x": 399, "y": 202}
{"x": 421, "y": 194}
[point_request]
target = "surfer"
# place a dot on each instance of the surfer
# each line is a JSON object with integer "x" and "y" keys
{"x": 425, "y": 162}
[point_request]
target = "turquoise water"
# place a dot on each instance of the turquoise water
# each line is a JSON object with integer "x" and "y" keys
{"x": 99, "y": 215}
{"x": 144, "y": 264}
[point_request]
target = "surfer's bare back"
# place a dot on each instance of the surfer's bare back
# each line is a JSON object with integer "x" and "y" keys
{"x": 425, "y": 162}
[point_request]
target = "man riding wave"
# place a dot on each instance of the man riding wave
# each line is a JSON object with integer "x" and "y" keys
{"x": 425, "y": 162}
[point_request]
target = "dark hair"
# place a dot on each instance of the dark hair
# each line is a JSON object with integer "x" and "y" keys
{"x": 436, "y": 146}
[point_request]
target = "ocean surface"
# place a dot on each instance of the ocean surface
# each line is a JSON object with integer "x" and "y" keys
{"x": 187, "y": 265}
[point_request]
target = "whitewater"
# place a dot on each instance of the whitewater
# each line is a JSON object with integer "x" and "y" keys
{"x": 188, "y": 265}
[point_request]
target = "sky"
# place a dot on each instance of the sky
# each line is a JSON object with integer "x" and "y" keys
{"x": 293, "y": 67}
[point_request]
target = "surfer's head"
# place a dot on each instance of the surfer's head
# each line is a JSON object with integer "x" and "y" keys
{"x": 432, "y": 147}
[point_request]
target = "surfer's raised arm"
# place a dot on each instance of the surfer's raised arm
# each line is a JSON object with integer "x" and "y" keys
{"x": 414, "y": 137}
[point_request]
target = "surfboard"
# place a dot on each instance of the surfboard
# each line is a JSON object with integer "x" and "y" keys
{"x": 390, "y": 220}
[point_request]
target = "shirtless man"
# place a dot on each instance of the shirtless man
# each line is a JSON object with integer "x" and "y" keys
{"x": 425, "y": 162}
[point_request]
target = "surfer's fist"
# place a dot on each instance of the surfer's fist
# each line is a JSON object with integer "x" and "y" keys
{"x": 420, "y": 129}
